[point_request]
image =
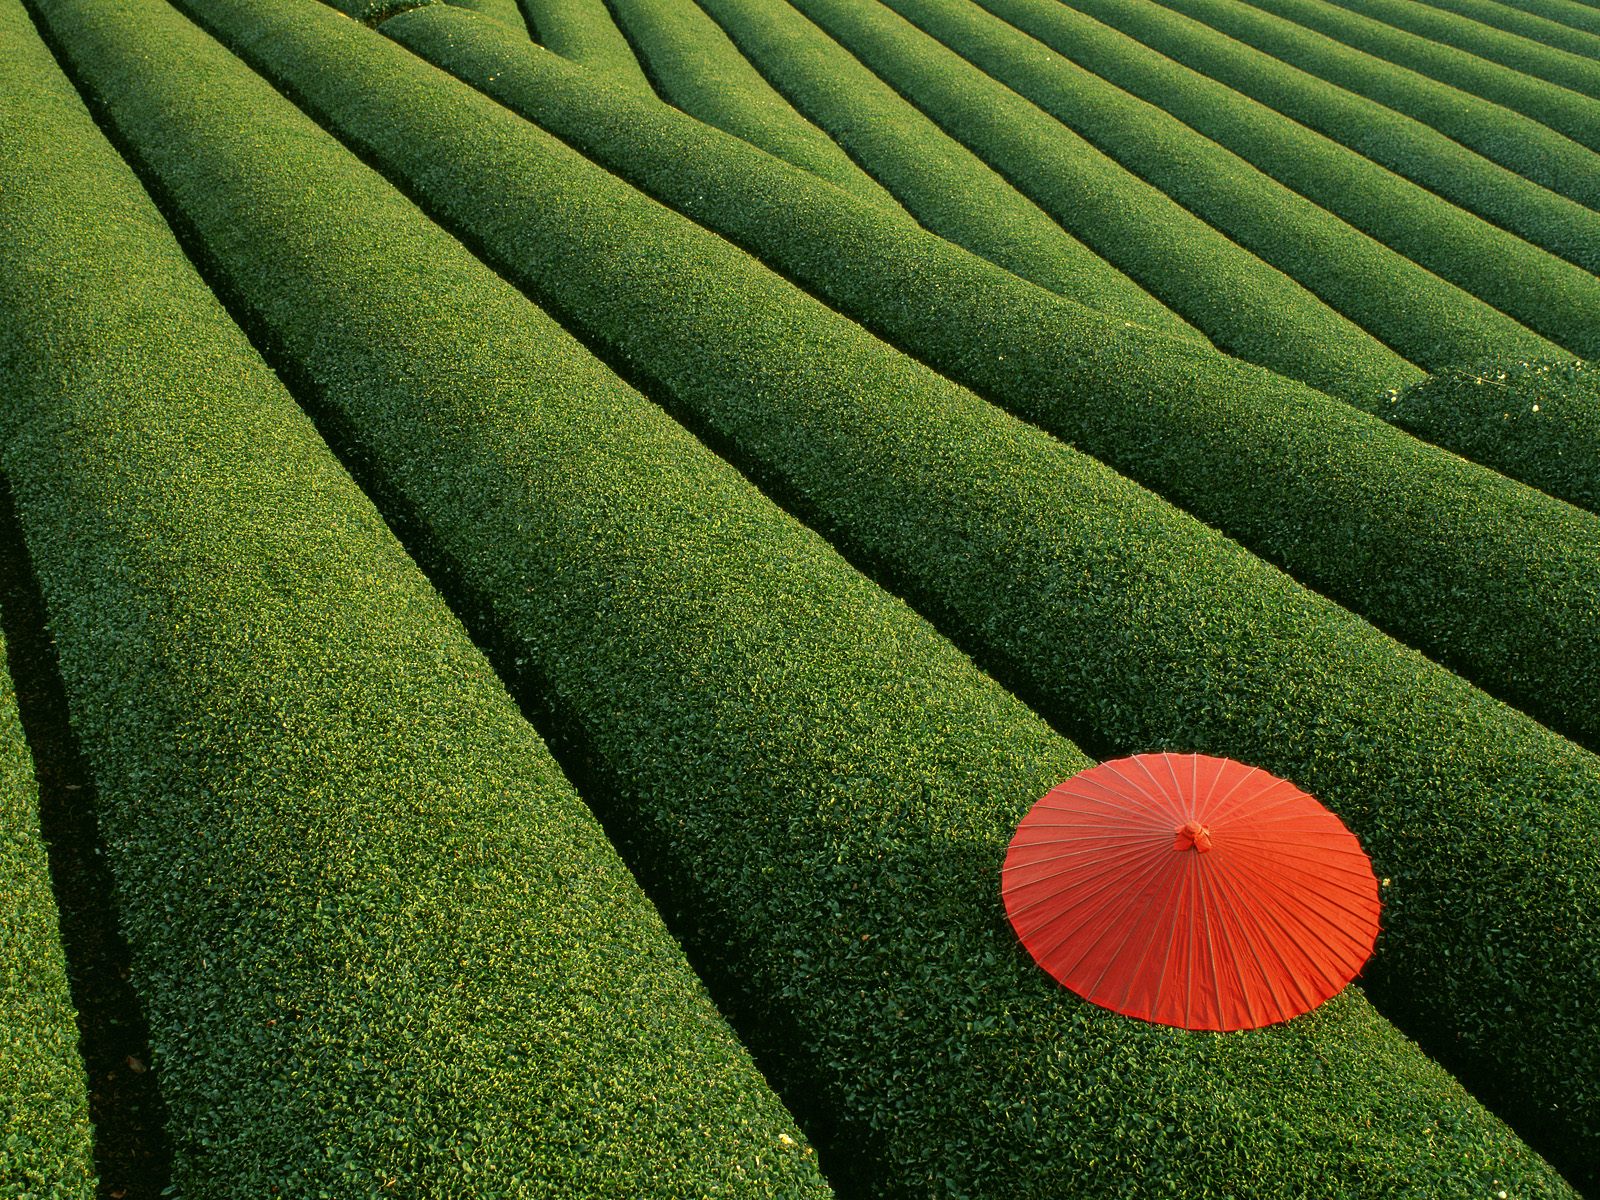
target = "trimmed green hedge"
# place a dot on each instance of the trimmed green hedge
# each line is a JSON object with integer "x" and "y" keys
{"x": 1535, "y": 421}
{"x": 1245, "y": 306}
{"x": 1470, "y": 34}
{"x": 943, "y": 184}
{"x": 1403, "y": 144}
{"x": 46, "y": 1147}
{"x": 1524, "y": 145}
{"x": 1565, "y": 111}
{"x": 1567, "y": 12}
{"x": 583, "y": 31}
{"x": 695, "y": 67}
{"x": 1121, "y": 616}
{"x": 1378, "y": 521}
{"x": 507, "y": 12}
{"x": 46, "y": 1150}
{"x": 1433, "y": 323}
{"x": 1574, "y": 28}
{"x": 381, "y": 942}
{"x": 1555, "y": 298}
{"x": 825, "y": 786}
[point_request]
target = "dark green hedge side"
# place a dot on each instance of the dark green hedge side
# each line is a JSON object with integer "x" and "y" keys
{"x": 1404, "y": 144}
{"x": 1378, "y": 521}
{"x": 1245, "y": 306}
{"x": 1537, "y": 22}
{"x": 383, "y": 946}
{"x": 1430, "y": 321}
{"x": 46, "y": 1150}
{"x": 584, "y": 32}
{"x": 1561, "y": 66}
{"x": 1558, "y": 299}
{"x": 1522, "y": 144}
{"x": 1242, "y": 304}
{"x": 695, "y": 67}
{"x": 1537, "y": 421}
{"x": 943, "y": 184}
{"x": 1565, "y": 111}
{"x": 507, "y": 12}
{"x": 1125, "y": 617}
{"x": 1569, "y": 13}
{"x": 825, "y": 784}
{"x": 45, "y": 1140}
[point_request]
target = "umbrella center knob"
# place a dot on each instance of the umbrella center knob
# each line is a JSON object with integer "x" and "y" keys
{"x": 1194, "y": 836}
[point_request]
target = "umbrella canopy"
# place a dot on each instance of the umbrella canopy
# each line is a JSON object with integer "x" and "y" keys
{"x": 1191, "y": 891}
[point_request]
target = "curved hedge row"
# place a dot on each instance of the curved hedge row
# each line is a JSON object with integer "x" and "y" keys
{"x": 1558, "y": 23}
{"x": 1537, "y": 421}
{"x": 583, "y": 31}
{"x": 1567, "y": 112}
{"x": 695, "y": 67}
{"x": 943, "y": 184}
{"x": 1080, "y": 586}
{"x": 1555, "y": 298}
{"x": 1571, "y": 13}
{"x": 1405, "y": 145}
{"x": 825, "y": 784}
{"x": 1524, "y": 145}
{"x": 507, "y": 12}
{"x": 380, "y": 940}
{"x": 1530, "y": 57}
{"x": 1431, "y": 322}
{"x": 1378, "y": 521}
{"x": 1242, "y": 304}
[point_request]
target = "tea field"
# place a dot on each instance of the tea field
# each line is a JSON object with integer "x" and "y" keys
{"x": 548, "y": 545}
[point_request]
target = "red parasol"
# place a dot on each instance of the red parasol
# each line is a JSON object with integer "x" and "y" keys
{"x": 1192, "y": 891}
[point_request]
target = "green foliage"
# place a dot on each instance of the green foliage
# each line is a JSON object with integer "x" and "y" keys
{"x": 1570, "y": 13}
{"x": 1469, "y": 33}
{"x": 1385, "y": 525}
{"x": 942, "y": 183}
{"x": 1567, "y": 112}
{"x": 1535, "y": 421}
{"x": 1243, "y": 305}
{"x": 829, "y": 787}
{"x": 583, "y": 31}
{"x": 696, "y": 67}
{"x": 1556, "y": 298}
{"x": 1524, "y": 145}
{"x": 381, "y": 942}
{"x": 1403, "y": 144}
{"x": 1563, "y": 24}
{"x": 45, "y": 1150}
{"x": 1412, "y": 310}
{"x": 507, "y": 12}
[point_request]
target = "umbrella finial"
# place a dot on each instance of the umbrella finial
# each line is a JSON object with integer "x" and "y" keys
{"x": 1192, "y": 835}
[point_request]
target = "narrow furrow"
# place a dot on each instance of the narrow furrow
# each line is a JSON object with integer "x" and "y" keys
{"x": 1121, "y": 613}
{"x": 1555, "y": 298}
{"x": 381, "y": 942}
{"x": 1430, "y": 321}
